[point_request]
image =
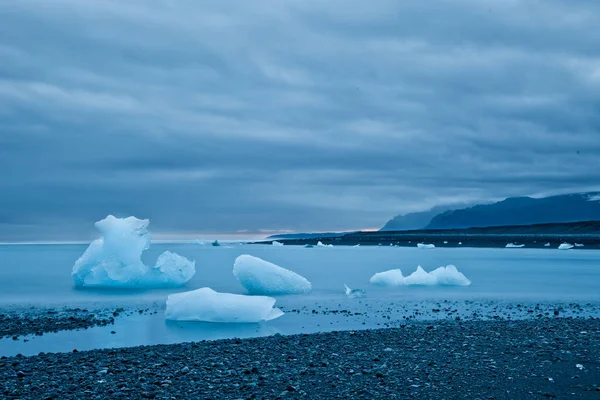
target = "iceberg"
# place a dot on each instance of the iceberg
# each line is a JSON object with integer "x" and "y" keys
{"x": 547, "y": 245}
{"x": 578, "y": 245}
{"x": 308, "y": 246}
{"x": 319, "y": 244}
{"x": 450, "y": 276}
{"x": 276, "y": 243}
{"x": 425, "y": 246}
{"x": 420, "y": 277}
{"x": 356, "y": 245}
{"x": 390, "y": 278}
{"x": 258, "y": 276}
{"x": 514, "y": 246}
{"x": 114, "y": 260}
{"x": 199, "y": 242}
{"x": 206, "y": 305}
{"x": 565, "y": 246}
{"x": 443, "y": 276}
{"x": 354, "y": 293}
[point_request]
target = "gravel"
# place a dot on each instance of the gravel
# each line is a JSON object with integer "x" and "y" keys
{"x": 541, "y": 358}
{"x": 37, "y": 322}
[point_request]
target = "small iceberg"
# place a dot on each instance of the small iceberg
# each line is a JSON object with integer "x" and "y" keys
{"x": 258, "y": 276}
{"x": 308, "y": 246}
{"x": 514, "y": 246}
{"x": 547, "y": 245}
{"x": 425, "y": 246}
{"x": 319, "y": 244}
{"x": 565, "y": 246}
{"x": 199, "y": 242}
{"x": 354, "y": 293}
{"x": 578, "y": 245}
{"x": 356, "y": 245}
{"x": 216, "y": 243}
{"x": 460, "y": 243}
{"x": 206, "y": 305}
{"x": 276, "y": 243}
{"x": 443, "y": 276}
{"x": 390, "y": 278}
{"x": 445, "y": 242}
{"x": 114, "y": 260}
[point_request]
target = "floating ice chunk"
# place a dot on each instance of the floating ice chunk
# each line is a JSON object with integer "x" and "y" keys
{"x": 258, "y": 276}
{"x": 460, "y": 243}
{"x": 319, "y": 244}
{"x": 445, "y": 242}
{"x": 276, "y": 243}
{"x": 390, "y": 278}
{"x": 354, "y": 293}
{"x": 308, "y": 246}
{"x": 421, "y": 278}
{"x": 514, "y": 246}
{"x": 356, "y": 245}
{"x": 578, "y": 245}
{"x": 565, "y": 246}
{"x": 443, "y": 276}
{"x": 425, "y": 246}
{"x": 450, "y": 276}
{"x": 547, "y": 245}
{"x": 115, "y": 259}
{"x": 209, "y": 306}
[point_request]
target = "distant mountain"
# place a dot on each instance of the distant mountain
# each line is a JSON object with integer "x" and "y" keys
{"x": 523, "y": 211}
{"x": 308, "y": 235}
{"x": 417, "y": 220}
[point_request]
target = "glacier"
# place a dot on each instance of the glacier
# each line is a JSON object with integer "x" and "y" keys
{"x": 443, "y": 276}
{"x": 425, "y": 246}
{"x": 261, "y": 277}
{"x": 206, "y": 305}
{"x": 114, "y": 260}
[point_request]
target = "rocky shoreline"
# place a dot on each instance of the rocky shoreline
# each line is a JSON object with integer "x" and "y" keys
{"x": 34, "y": 321}
{"x": 542, "y": 358}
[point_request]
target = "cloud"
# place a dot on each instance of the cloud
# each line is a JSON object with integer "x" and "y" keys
{"x": 301, "y": 115}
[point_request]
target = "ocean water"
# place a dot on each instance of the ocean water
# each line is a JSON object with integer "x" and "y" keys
{"x": 39, "y": 276}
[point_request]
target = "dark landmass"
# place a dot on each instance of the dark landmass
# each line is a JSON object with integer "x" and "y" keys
{"x": 523, "y": 211}
{"x": 416, "y": 220}
{"x": 511, "y": 211}
{"x": 308, "y": 235}
{"x": 539, "y": 359}
{"x": 586, "y": 233}
{"x": 15, "y": 323}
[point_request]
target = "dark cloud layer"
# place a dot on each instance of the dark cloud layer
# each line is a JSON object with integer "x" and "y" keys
{"x": 225, "y": 116}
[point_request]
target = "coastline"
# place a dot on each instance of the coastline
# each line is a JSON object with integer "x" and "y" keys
{"x": 543, "y": 358}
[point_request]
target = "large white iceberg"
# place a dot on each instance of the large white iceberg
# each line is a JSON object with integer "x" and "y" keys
{"x": 425, "y": 246}
{"x": 114, "y": 260}
{"x": 443, "y": 276}
{"x": 258, "y": 276}
{"x": 206, "y": 305}
{"x": 565, "y": 246}
{"x": 320, "y": 244}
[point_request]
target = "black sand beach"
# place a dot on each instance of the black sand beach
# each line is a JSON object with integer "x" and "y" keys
{"x": 542, "y": 358}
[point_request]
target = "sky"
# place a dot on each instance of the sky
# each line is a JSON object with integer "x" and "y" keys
{"x": 256, "y": 117}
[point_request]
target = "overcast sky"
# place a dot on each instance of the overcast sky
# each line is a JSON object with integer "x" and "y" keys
{"x": 256, "y": 116}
